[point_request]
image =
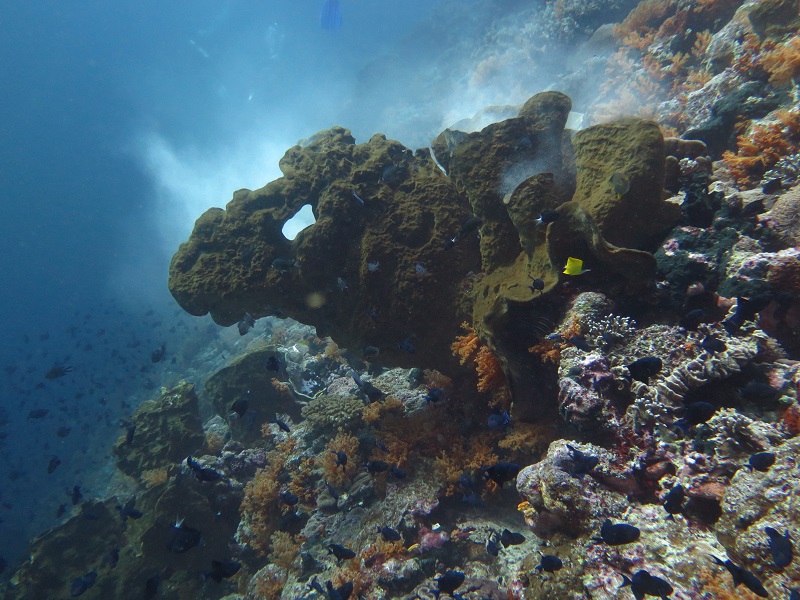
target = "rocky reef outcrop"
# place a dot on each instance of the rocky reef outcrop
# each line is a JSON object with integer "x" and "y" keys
{"x": 391, "y": 261}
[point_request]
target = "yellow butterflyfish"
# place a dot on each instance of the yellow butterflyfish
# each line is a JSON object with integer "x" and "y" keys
{"x": 574, "y": 266}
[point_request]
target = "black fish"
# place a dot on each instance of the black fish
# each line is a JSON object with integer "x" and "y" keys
{"x": 673, "y": 501}
{"x": 713, "y": 344}
{"x": 695, "y": 413}
{"x": 616, "y": 535}
{"x": 691, "y": 320}
{"x": 580, "y": 343}
{"x": 38, "y": 413}
{"x": 406, "y": 346}
{"x": 537, "y": 284}
{"x": 740, "y": 575}
{"x": 434, "y": 395}
{"x": 112, "y": 558}
{"x": 63, "y": 431}
{"x": 780, "y": 546}
{"x": 377, "y": 466}
{"x": 397, "y": 472}
{"x": 643, "y": 584}
{"x": 282, "y": 265}
{"x": 472, "y": 223}
{"x": 76, "y": 495}
{"x": 281, "y": 424}
{"x": 159, "y": 353}
{"x": 130, "y": 430}
{"x": 582, "y": 463}
{"x": 369, "y": 390}
{"x": 246, "y": 324}
{"x": 240, "y": 406}
{"x": 746, "y": 310}
{"x": 370, "y": 352}
{"x": 80, "y": 584}
{"x": 340, "y": 552}
{"x": 151, "y": 586}
{"x": 288, "y": 498}
{"x": 183, "y": 538}
{"x": 511, "y": 538}
{"x": 491, "y": 546}
{"x": 273, "y": 364}
{"x": 643, "y": 369}
{"x": 761, "y": 461}
{"x": 449, "y": 582}
{"x": 333, "y": 493}
{"x": 500, "y": 472}
{"x": 53, "y": 464}
{"x": 203, "y": 473}
{"x": 549, "y": 564}
{"x": 758, "y": 391}
{"x": 341, "y": 458}
{"x": 343, "y": 592}
{"x": 127, "y": 510}
{"x": 548, "y": 216}
{"x": 222, "y": 570}
{"x": 389, "y": 534}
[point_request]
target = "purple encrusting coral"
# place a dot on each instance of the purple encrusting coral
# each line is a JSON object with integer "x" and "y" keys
{"x": 379, "y": 465}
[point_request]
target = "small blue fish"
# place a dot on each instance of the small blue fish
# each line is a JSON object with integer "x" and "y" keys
{"x": 498, "y": 420}
{"x": 434, "y": 395}
{"x": 406, "y": 346}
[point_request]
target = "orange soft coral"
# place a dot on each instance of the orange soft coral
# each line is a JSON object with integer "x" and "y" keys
{"x": 782, "y": 62}
{"x": 467, "y": 345}
{"x": 764, "y": 146}
{"x": 490, "y": 375}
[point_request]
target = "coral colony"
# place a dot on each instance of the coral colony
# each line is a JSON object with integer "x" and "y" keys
{"x": 526, "y": 362}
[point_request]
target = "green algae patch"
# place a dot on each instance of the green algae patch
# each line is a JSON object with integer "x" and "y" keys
{"x": 166, "y": 431}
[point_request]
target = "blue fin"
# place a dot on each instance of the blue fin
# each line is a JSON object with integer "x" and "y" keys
{"x": 330, "y": 17}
